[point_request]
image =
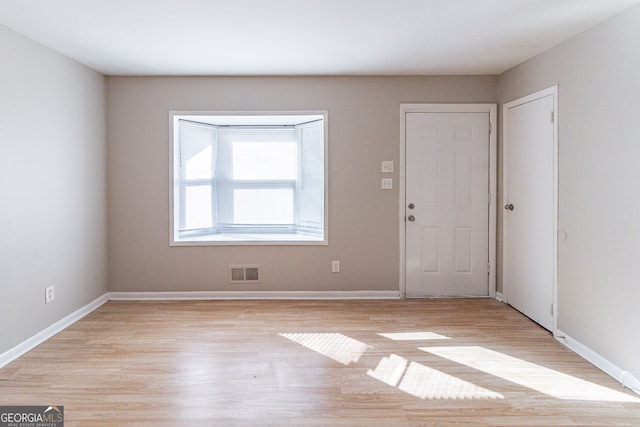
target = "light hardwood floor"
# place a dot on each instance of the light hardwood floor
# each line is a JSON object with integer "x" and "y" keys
{"x": 314, "y": 363}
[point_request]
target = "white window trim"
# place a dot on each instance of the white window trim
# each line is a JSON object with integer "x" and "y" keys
{"x": 260, "y": 239}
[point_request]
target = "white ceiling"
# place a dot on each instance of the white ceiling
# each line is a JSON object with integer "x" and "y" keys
{"x": 303, "y": 37}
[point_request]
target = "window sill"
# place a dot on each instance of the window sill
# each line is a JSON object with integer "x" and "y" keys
{"x": 250, "y": 239}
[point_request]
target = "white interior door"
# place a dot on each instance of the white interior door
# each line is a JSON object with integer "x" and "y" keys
{"x": 530, "y": 204}
{"x": 447, "y": 203}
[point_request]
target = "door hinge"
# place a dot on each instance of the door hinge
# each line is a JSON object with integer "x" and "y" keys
{"x": 488, "y": 268}
{"x": 490, "y": 128}
{"x": 553, "y": 116}
{"x": 489, "y": 198}
{"x": 552, "y": 309}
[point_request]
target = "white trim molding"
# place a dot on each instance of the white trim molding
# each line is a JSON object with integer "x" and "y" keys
{"x": 254, "y": 295}
{"x": 626, "y": 378}
{"x": 492, "y": 110}
{"x": 551, "y": 91}
{"x": 30, "y": 343}
{"x": 20, "y": 349}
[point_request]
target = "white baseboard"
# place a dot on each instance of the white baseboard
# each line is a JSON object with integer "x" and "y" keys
{"x": 627, "y": 379}
{"x": 254, "y": 295}
{"x": 20, "y": 349}
{"x": 624, "y": 377}
{"x": 499, "y": 296}
{"x": 17, "y": 351}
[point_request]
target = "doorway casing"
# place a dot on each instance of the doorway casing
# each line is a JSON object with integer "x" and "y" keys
{"x": 549, "y": 92}
{"x": 491, "y": 109}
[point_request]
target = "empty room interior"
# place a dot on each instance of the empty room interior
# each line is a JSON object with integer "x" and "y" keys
{"x": 408, "y": 212}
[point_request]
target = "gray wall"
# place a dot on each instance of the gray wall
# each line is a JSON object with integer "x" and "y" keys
{"x": 52, "y": 187}
{"x": 363, "y": 219}
{"x": 598, "y": 73}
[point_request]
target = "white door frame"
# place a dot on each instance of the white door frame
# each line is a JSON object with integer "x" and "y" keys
{"x": 493, "y": 173}
{"x": 505, "y": 176}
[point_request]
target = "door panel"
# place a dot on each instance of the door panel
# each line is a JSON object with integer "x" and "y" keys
{"x": 529, "y": 236}
{"x": 447, "y": 181}
{"x": 463, "y": 250}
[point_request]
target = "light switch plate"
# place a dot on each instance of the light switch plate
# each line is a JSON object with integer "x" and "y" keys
{"x": 387, "y": 166}
{"x": 387, "y": 183}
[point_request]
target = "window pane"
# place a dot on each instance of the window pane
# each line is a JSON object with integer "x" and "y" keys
{"x": 264, "y": 160}
{"x": 263, "y": 206}
{"x": 198, "y": 207}
{"x": 197, "y": 144}
{"x": 199, "y": 165}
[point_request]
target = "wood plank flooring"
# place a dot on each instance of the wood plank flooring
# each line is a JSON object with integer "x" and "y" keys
{"x": 314, "y": 363}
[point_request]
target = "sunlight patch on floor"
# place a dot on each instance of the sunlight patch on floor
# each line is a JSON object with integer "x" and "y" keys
{"x": 389, "y": 370}
{"x": 426, "y": 383}
{"x": 336, "y": 346}
{"x": 414, "y": 336}
{"x": 544, "y": 380}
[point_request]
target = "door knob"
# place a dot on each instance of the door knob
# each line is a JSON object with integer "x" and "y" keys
{"x": 411, "y": 206}
{"x": 411, "y": 218}
{"x": 509, "y": 207}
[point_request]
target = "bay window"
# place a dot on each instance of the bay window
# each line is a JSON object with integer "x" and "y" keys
{"x": 249, "y": 178}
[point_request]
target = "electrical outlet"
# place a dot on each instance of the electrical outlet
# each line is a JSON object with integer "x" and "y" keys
{"x": 49, "y": 295}
{"x": 387, "y": 183}
{"x": 335, "y": 266}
